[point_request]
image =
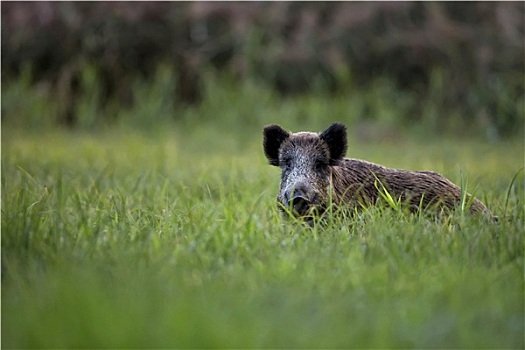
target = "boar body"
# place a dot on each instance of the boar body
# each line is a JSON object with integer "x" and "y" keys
{"x": 315, "y": 174}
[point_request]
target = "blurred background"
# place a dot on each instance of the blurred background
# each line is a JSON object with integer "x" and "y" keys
{"x": 429, "y": 67}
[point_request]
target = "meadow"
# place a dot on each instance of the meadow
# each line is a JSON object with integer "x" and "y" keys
{"x": 166, "y": 234}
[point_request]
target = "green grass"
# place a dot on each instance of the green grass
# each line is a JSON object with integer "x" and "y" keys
{"x": 121, "y": 239}
{"x": 145, "y": 232}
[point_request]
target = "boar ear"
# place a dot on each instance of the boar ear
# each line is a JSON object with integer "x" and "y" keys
{"x": 274, "y": 135}
{"x": 335, "y": 137}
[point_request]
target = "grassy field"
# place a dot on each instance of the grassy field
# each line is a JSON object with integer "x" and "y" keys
{"x": 151, "y": 233}
{"x": 172, "y": 238}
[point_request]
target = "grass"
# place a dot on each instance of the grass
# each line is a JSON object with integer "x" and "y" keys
{"x": 151, "y": 233}
{"x": 172, "y": 238}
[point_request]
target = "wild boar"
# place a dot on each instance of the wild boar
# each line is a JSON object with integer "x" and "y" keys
{"x": 315, "y": 174}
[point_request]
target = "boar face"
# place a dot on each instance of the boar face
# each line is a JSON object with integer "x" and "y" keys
{"x": 306, "y": 161}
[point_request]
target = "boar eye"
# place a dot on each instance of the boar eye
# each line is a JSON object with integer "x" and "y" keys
{"x": 320, "y": 163}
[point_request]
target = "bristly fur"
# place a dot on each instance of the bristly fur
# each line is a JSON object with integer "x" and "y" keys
{"x": 314, "y": 172}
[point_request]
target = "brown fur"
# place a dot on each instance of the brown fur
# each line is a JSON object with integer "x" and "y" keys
{"x": 313, "y": 165}
{"x": 356, "y": 182}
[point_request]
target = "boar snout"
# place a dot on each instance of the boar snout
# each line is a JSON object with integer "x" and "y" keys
{"x": 300, "y": 205}
{"x": 300, "y": 200}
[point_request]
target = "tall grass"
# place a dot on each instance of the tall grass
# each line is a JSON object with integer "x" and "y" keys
{"x": 376, "y": 110}
{"x": 173, "y": 238}
{"x": 162, "y": 230}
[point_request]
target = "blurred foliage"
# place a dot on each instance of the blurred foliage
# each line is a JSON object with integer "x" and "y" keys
{"x": 445, "y": 65}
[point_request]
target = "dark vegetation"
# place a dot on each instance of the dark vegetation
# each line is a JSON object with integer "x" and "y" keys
{"x": 449, "y": 65}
